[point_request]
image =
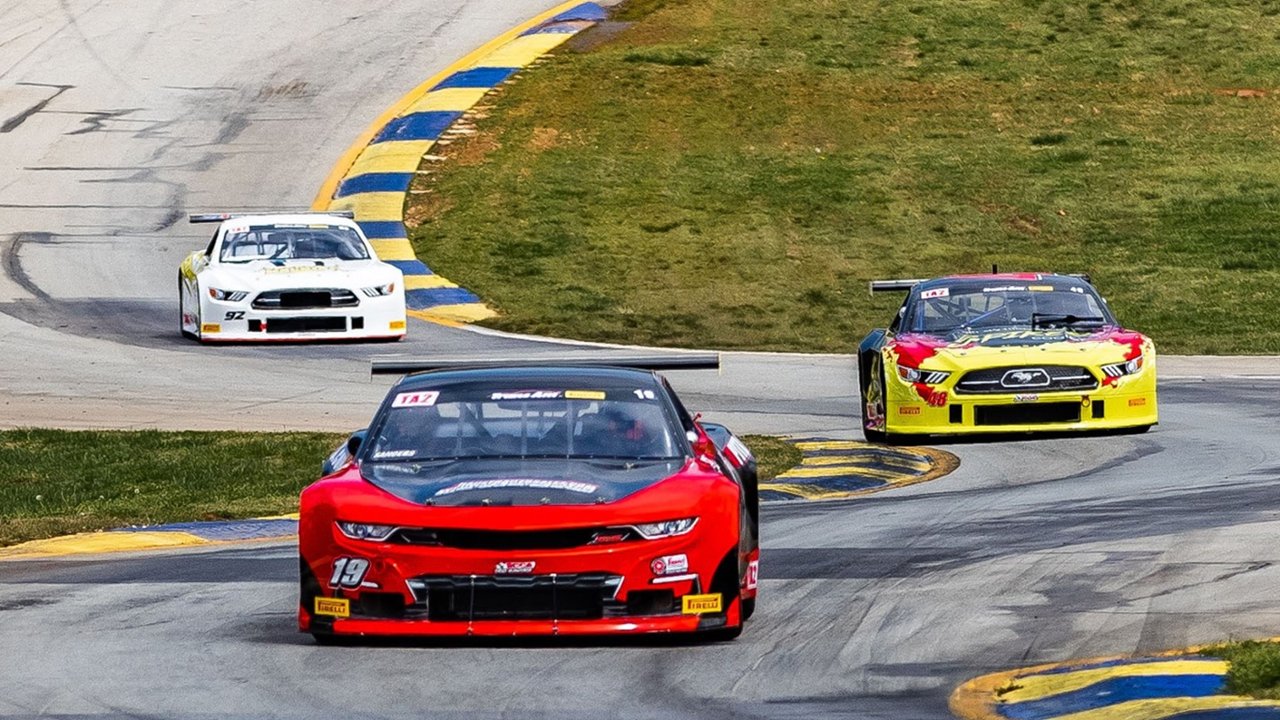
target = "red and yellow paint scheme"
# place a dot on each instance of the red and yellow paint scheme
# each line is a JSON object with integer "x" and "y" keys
{"x": 531, "y": 500}
{"x": 1001, "y": 353}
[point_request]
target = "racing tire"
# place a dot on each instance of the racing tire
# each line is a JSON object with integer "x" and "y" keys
{"x": 748, "y": 608}
{"x": 728, "y": 584}
{"x": 182, "y": 311}
{"x": 875, "y": 436}
{"x": 331, "y": 640}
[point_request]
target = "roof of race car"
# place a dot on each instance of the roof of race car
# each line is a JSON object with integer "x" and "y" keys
{"x": 290, "y": 219}
{"x": 530, "y": 374}
{"x": 1001, "y": 277}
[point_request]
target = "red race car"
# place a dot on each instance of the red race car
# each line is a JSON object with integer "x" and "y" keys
{"x": 500, "y": 499}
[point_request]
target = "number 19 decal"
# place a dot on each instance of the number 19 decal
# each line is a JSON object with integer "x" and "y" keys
{"x": 348, "y": 572}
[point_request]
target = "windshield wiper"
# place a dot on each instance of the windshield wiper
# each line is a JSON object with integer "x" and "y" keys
{"x": 1038, "y": 319}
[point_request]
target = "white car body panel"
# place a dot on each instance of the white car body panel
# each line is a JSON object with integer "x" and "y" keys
{"x": 257, "y": 317}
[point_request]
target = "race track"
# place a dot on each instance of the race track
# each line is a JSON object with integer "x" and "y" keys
{"x": 118, "y": 117}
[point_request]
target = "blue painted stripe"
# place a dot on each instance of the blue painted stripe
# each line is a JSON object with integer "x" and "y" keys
{"x": 383, "y": 229}
{"x": 410, "y": 267}
{"x": 476, "y": 78}
{"x": 228, "y": 529}
{"x": 586, "y": 11}
{"x": 374, "y": 182}
{"x": 433, "y": 297}
{"x": 1236, "y": 713}
{"x": 846, "y": 483}
{"x": 1114, "y": 691}
{"x": 417, "y": 126}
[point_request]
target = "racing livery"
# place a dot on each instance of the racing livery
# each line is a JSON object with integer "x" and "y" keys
{"x": 288, "y": 277}
{"x": 1013, "y": 352}
{"x": 531, "y": 500}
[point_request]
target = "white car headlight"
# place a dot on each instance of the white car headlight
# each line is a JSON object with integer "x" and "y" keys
{"x": 227, "y": 295}
{"x": 379, "y": 290}
{"x": 666, "y": 528}
{"x": 366, "y": 531}
{"x": 1129, "y": 367}
{"x": 928, "y": 377}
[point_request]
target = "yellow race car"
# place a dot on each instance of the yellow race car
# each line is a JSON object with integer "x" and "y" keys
{"x": 1001, "y": 353}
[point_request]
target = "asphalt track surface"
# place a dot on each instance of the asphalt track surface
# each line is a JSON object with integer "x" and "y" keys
{"x": 119, "y": 116}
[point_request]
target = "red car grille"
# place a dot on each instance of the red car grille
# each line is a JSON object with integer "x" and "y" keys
{"x": 584, "y": 596}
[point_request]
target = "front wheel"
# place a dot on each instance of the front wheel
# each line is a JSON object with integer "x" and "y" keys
{"x": 874, "y": 403}
{"x": 182, "y": 312}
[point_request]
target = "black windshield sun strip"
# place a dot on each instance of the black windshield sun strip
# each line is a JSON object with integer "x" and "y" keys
{"x": 1038, "y": 318}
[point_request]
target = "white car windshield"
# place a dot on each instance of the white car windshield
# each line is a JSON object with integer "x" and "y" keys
{"x": 293, "y": 242}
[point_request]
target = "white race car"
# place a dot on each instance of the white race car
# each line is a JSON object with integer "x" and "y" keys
{"x": 288, "y": 277}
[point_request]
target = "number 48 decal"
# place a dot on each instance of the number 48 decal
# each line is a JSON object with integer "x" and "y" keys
{"x": 348, "y": 572}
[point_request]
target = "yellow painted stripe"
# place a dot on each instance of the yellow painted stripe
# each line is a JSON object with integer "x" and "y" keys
{"x": 523, "y": 50}
{"x": 374, "y": 206}
{"x": 809, "y": 491}
{"x": 818, "y": 472}
{"x": 448, "y": 100}
{"x": 833, "y": 445}
{"x": 455, "y": 314}
{"x": 100, "y": 542}
{"x": 348, "y": 158}
{"x": 398, "y": 156}
{"x": 1166, "y": 707}
{"x": 865, "y": 459}
{"x": 426, "y": 282}
{"x": 1035, "y": 687}
{"x": 393, "y": 249}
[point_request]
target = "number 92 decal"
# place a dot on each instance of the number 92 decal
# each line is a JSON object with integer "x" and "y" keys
{"x": 348, "y": 572}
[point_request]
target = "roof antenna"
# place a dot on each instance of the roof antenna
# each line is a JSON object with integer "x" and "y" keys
{"x": 995, "y": 269}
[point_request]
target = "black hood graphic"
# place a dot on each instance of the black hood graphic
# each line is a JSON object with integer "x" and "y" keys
{"x": 518, "y": 482}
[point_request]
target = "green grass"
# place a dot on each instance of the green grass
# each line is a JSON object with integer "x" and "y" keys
{"x": 730, "y": 173}
{"x": 774, "y": 456}
{"x": 1255, "y": 667}
{"x": 56, "y": 482}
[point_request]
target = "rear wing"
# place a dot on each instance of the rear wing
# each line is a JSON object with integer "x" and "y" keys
{"x": 893, "y": 285}
{"x": 666, "y": 361}
{"x": 222, "y": 217}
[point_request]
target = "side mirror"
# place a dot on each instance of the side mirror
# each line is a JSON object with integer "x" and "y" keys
{"x": 354, "y": 442}
{"x": 342, "y": 456}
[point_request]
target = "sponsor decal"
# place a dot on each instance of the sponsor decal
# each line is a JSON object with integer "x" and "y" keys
{"x": 584, "y": 395}
{"x": 333, "y": 607}
{"x": 1026, "y": 398}
{"x": 1040, "y": 288}
{"x": 348, "y": 572}
{"x": 515, "y": 568}
{"x": 753, "y": 574}
{"x": 397, "y": 325}
{"x": 528, "y": 395}
{"x": 415, "y": 399}
{"x": 211, "y": 328}
{"x": 670, "y": 565}
{"x": 291, "y": 269}
{"x": 381, "y": 455}
{"x": 1006, "y": 288}
{"x": 531, "y": 484}
{"x": 699, "y": 604}
{"x": 935, "y": 293}
{"x": 1137, "y": 402}
{"x": 908, "y": 410}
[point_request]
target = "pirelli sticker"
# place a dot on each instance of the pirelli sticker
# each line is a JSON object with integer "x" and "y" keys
{"x": 333, "y": 607}
{"x": 699, "y": 604}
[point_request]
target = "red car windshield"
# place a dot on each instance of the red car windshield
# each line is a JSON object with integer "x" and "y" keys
{"x": 478, "y": 422}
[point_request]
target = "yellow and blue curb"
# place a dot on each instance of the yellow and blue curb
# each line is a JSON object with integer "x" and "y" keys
{"x": 154, "y": 537}
{"x": 838, "y": 469}
{"x": 1177, "y": 686}
{"x": 372, "y": 179}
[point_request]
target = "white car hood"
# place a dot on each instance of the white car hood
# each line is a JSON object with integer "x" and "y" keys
{"x": 285, "y": 274}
